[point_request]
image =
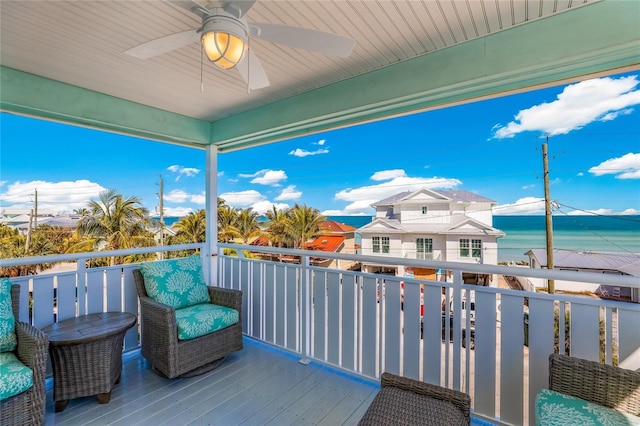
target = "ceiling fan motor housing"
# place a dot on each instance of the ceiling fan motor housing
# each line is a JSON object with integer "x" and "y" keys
{"x": 224, "y": 39}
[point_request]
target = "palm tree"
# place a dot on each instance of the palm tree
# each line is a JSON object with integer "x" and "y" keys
{"x": 276, "y": 225}
{"x": 247, "y": 224}
{"x": 227, "y": 229}
{"x": 193, "y": 227}
{"x": 113, "y": 223}
{"x": 303, "y": 224}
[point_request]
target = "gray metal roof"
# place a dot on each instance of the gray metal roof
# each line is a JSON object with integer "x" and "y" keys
{"x": 628, "y": 263}
{"x": 454, "y": 195}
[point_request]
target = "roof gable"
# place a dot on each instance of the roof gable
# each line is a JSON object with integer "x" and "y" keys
{"x": 425, "y": 195}
{"x": 467, "y": 225}
{"x": 380, "y": 224}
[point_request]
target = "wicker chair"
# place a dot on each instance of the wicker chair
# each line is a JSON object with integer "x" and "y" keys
{"x": 27, "y": 408}
{"x": 602, "y": 384}
{"x": 403, "y": 401}
{"x": 171, "y": 357}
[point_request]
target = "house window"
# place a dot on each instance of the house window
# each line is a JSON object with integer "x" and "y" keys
{"x": 476, "y": 248}
{"x": 464, "y": 247}
{"x": 380, "y": 244}
{"x": 424, "y": 209}
{"x": 424, "y": 248}
{"x": 470, "y": 248}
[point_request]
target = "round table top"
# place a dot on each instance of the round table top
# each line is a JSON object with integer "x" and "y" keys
{"x": 89, "y": 328}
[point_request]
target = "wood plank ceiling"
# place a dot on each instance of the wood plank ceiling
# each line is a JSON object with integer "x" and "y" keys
{"x": 82, "y": 43}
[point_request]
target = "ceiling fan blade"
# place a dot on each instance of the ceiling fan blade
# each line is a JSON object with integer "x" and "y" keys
{"x": 238, "y": 8}
{"x": 252, "y": 72}
{"x": 192, "y": 7}
{"x": 164, "y": 44}
{"x": 303, "y": 38}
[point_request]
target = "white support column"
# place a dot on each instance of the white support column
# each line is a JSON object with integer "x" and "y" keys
{"x": 211, "y": 207}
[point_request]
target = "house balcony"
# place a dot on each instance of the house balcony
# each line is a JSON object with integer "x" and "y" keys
{"x": 318, "y": 339}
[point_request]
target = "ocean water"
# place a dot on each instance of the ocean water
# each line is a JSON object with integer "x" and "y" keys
{"x": 523, "y": 233}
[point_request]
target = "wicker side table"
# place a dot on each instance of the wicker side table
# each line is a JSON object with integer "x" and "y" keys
{"x": 86, "y": 355}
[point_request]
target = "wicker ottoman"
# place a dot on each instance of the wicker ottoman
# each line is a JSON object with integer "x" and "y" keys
{"x": 86, "y": 355}
{"x": 403, "y": 401}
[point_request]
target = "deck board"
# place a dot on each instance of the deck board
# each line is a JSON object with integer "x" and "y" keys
{"x": 256, "y": 386}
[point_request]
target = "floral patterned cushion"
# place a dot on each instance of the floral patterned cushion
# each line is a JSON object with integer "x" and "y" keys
{"x": 198, "y": 320}
{"x": 7, "y": 321}
{"x": 178, "y": 283}
{"x": 15, "y": 377}
{"x": 555, "y": 408}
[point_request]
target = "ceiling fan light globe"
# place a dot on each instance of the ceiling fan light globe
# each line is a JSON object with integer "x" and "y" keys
{"x": 224, "y": 49}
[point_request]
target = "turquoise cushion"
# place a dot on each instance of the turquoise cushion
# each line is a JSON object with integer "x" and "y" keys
{"x": 15, "y": 377}
{"x": 554, "y": 408}
{"x": 7, "y": 321}
{"x": 198, "y": 320}
{"x": 178, "y": 283}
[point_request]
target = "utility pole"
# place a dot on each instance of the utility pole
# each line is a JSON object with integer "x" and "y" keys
{"x": 161, "y": 217}
{"x": 36, "y": 208}
{"x": 26, "y": 244}
{"x": 547, "y": 213}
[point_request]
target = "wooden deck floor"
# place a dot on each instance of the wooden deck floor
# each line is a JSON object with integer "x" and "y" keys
{"x": 259, "y": 385}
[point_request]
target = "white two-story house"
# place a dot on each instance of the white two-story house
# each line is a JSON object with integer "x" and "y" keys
{"x": 452, "y": 225}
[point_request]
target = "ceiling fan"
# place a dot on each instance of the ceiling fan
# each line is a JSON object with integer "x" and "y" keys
{"x": 225, "y": 36}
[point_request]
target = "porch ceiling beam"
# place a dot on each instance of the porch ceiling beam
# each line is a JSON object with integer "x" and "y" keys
{"x": 39, "y": 97}
{"x": 595, "y": 39}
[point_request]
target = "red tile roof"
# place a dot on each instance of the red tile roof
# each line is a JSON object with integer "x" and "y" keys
{"x": 333, "y": 226}
{"x": 327, "y": 243}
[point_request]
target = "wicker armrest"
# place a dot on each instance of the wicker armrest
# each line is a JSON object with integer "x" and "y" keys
{"x": 32, "y": 345}
{"x": 161, "y": 317}
{"x": 602, "y": 384}
{"x": 226, "y": 297}
{"x": 32, "y": 351}
{"x": 461, "y": 400}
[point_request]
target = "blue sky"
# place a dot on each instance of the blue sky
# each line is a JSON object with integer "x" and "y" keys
{"x": 492, "y": 148}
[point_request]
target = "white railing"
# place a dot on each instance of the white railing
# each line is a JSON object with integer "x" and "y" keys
{"x": 51, "y": 297}
{"x": 367, "y": 323}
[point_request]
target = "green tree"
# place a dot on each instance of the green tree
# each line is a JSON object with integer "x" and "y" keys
{"x": 247, "y": 224}
{"x": 303, "y": 223}
{"x": 276, "y": 226}
{"x": 227, "y": 230}
{"x": 114, "y": 222}
{"x": 192, "y": 228}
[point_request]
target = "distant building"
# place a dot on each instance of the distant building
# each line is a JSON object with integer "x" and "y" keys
{"x": 591, "y": 261}
{"x": 335, "y": 237}
{"x": 430, "y": 224}
{"x": 21, "y": 219}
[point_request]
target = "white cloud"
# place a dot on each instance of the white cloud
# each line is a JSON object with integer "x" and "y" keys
{"x": 180, "y": 196}
{"x": 289, "y": 193}
{"x": 176, "y": 211}
{"x": 266, "y": 177}
{"x": 320, "y": 142}
{"x": 388, "y": 174}
{"x": 625, "y": 167}
{"x": 52, "y": 196}
{"x": 361, "y": 198}
{"x": 299, "y": 152}
{"x": 529, "y": 186}
{"x": 523, "y": 206}
{"x": 176, "y": 196}
{"x": 198, "y": 198}
{"x": 262, "y": 207}
{"x": 604, "y": 212}
{"x": 600, "y": 99}
{"x": 243, "y": 198}
{"x": 580, "y": 174}
{"x": 183, "y": 171}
